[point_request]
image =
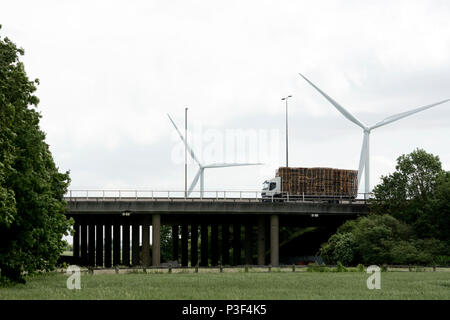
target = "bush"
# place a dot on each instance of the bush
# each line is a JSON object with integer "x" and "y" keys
{"x": 406, "y": 253}
{"x": 380, "y": 239}
{"x": 340, "y": 267}
{"x": 314, "y": 267}
{"x": 441, "y": 260}
{"x": 418, "y": 251}
{"x": 340, "y": 247}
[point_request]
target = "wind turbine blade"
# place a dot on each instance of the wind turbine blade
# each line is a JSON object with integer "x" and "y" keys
{"x": 340, "y": 108}
{"x": 184, "y": 141}
{"x": 194, "y": 182}
{"x": 402, "y": 115}
{"x": 223, "y": 165}
{"x": 362, "y": 158}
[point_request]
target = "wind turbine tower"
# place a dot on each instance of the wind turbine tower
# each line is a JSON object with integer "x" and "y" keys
{"x": 364, "y": 160}
{"x": 200, "y": 173}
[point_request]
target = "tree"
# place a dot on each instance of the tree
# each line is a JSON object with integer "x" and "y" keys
{"x": 440, "y": 219}
{"x": 365, "y": 240}
{"x": 379, "y": 239}
{"x": 409, "y": 221}
{"x": 32, "y": 220}
{"x": 416, "y": 193}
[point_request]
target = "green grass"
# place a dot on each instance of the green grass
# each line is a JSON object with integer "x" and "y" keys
{"x": 236, "y": 285}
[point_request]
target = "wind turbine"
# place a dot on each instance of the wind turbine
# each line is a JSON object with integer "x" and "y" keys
{"x": 200, "y": 173}
{"x": 364, "y": 160}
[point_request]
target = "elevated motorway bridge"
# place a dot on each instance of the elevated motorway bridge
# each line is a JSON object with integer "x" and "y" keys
{"x": 113, "y": 227}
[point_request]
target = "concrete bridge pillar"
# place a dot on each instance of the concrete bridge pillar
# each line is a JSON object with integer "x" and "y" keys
{"x": 99, "y": 244}
{"x": 236, "y": 243}
{"x": 225, "y": 244}
{"x": 91, "y": 243}
{"x": 175, "y": 241}
{"x": 274, "y": 240}
{"x": 76, "y": 241}
{"x": 156, "y": 240}
{"x": 84, "y": 235}
{"x": 184, "y": 245}
{"x": 194, "y": 244}
{"x": 214, "y": 244}
{"x": 261, "y": 241}
{"x": 146, "y": 243}
{"x": 108, "y": 243}
{"x": 135, "y": 243}
{"x": 248, "y": 243}
{"x": 204, "y": 245}
{"x": 126, "y": 241}
{"x": 116, "y": 242}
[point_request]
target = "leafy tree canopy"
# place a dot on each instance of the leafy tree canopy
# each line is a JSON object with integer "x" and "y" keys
{"x": 409, "y": 221}
{"x": 32, "y": 220}
{"x": 417, "y": 193}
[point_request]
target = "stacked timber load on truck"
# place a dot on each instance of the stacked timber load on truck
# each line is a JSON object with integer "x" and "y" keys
{"x": 312, "y": 183}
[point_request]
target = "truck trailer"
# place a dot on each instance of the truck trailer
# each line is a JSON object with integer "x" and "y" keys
{"x": 311, "y": 184}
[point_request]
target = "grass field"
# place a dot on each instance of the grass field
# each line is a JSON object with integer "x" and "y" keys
{"x": 236, "y": 285}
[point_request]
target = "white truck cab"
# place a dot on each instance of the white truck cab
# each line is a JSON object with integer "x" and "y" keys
{"x": 271, "y": 188}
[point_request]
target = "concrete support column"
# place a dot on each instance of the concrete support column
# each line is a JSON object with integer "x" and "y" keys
{"x": 184, "y": 245}
{"x": 194, "y": 244}
{"x": 116, "y": 242}
{"x": 225, "y": 244}
{"x": 175, "y": 241}
{"x": 236, "y": 244}
{"x": 76, "y": 241}
{"x": 91, "y": 243}
{"x": 108, "y": 244}
{"x": 84, "y": 239}
{"x": 214, "y": 244}
{"x": 146, "y": 243}
{"x": 126, "y": 241}
{"x": 204, "y": 245}
{"x": 135, "y": 244}
{"x": 261, "y": 241}
{"x": 274, "y": 241}
{"x": 99, "y": 244}
{"x": 248, "y": 243}
{"x": 156, "y": 240}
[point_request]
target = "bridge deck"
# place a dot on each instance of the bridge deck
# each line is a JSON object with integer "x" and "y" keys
{"x": 211, "y": 206}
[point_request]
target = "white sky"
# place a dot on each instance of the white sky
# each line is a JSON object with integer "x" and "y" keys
{"x": 111, "y": 70}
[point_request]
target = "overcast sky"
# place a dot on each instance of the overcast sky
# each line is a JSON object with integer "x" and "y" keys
{"x": 110, "y": 71}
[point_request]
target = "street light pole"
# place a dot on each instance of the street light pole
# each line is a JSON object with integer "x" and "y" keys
{"x": 185, "y": 152}
{"x": 287, "y": 141}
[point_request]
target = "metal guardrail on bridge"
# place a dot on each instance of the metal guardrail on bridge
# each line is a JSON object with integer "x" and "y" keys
{"x": 224, "y": 195}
